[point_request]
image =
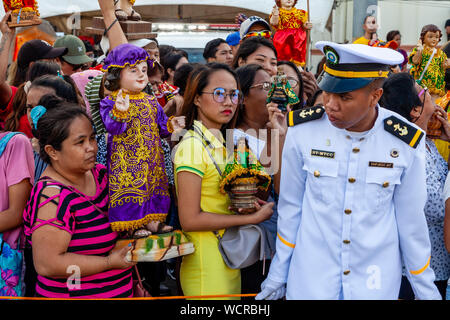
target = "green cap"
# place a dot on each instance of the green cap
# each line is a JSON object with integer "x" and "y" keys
{"x": 76, "y": 53}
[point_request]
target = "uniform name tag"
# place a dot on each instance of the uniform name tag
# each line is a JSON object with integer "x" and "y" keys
{"x": 381, "y": 164}
{"x": 321, "y": 153}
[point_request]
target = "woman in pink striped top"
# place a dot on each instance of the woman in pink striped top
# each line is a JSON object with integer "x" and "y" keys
{"x": 66, "y": 218}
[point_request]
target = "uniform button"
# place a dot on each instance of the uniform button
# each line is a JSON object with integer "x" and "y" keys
{"x": 348, "y": 137}
{"x": 348, "y": 211}
{"x": 386, "y": 184}
{"x": 362, "y": 139}
{"x": 346, "y": 241}
{"x": 351, "y": 180}
{"x": 346, "y": 272}
{"x": 355, "y": 150}
{"x": 316, "y": 173}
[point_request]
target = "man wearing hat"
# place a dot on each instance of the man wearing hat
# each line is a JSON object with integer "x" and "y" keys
{"x": 254, "y": 26}
{"x": 75, "y": 57}
{"x": 352, "y": 190}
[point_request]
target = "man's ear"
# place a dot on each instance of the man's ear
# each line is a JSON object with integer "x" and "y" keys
{"x": 52, "y": 153}
{"x": 376, "y": 96}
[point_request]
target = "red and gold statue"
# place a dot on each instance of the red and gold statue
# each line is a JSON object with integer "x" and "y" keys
{"x": 291, "y": 25}
{"x": 23, "y": 12}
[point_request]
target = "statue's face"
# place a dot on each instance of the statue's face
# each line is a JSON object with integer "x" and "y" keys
{"x": 287, "y": 4}
{"x": 134, "y": 79}
{"x": 371, "y": 25}
{"x": 241, "y": 145}
{"x": 432, "y": 39}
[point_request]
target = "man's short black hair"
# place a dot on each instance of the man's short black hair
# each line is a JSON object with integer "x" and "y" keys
{"x": 211, "y": 48}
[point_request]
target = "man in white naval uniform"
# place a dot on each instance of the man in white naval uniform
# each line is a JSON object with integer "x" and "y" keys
{"x": 352, "y": 190}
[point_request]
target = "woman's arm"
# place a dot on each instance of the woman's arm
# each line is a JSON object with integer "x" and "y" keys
{"x": 192, "y": 218}
{"x": 5, "y": 46}
{"x": 115, "y": 34}
{"x": 51, "y": 259}
{"x": 278, "y": 126}
{"x": 18, "y": 196}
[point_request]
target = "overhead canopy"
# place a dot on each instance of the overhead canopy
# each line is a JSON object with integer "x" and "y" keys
{"x": 187, "y": 11}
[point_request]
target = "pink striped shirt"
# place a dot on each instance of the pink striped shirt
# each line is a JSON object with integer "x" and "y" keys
{"x": 85, "y": 219}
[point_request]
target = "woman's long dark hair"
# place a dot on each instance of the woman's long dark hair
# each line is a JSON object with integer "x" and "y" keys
{"x": 246, "y": 75}
{"x": 250, "y": 45}
{"x": 53, "y": 126}
{"x": 38, "y": 69}
{"x": 400, "y": 95}
{"x": 197, "y": 82}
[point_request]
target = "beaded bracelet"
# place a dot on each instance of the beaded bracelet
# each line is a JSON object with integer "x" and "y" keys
{"x": 118, "y": 116}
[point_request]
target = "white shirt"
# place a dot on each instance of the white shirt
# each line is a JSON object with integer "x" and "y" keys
{"x": 348, "y": 210}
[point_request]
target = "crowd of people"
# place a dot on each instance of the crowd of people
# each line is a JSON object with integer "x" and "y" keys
{"x": 132, "y": 142}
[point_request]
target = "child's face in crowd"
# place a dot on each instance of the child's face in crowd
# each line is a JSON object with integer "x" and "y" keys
{"x": 212, "y": 113}
{"x": 134, "y": 78}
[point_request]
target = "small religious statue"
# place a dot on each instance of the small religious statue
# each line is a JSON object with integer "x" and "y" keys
{"x": 429, "y": 62}
{"x": 281, "y": 92}
{"x": 125, "y": 11}
{"x": 243, "y": 177}
{"x": 291, "y": 25}
{"x": 23, "y": 12}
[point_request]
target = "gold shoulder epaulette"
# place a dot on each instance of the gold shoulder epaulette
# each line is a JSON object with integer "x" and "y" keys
{"x": 404, "y": 131}
{"x": 304, "y": 115}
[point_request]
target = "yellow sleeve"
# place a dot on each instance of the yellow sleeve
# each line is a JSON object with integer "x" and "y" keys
{"x": 189, "y": 156}
{"x": 361, "y": 40}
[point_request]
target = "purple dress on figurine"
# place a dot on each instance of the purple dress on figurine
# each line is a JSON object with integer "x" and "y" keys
{"x": 138, "y": 184}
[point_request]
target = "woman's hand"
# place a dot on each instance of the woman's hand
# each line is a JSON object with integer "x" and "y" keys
{"x": 308, "y": 26}
{"x": 264, "y": 211}
{"x": 277, "y": 118}
{"x": 310, "y": 84}
{"x": 4, "y": 28}
{"x": 442, "y": 117}
{"x": 117, "y": 258}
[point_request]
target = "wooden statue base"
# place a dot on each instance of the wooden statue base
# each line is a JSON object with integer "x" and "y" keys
{"x": 157, "y": 247}
{"x": 133, "y": 29}
{"x": 25, "y": 19}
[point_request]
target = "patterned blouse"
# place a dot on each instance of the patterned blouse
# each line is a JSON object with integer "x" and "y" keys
{"x": 436, "y": 169}
{"x": 85, "y": 218}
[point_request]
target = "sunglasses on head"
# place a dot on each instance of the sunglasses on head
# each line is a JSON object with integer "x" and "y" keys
{"x": 265, "y": 34}
{"x": 219, "y": 95}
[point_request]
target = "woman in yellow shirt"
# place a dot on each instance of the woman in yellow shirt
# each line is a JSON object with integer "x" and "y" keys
{"x": 210, "y": 106}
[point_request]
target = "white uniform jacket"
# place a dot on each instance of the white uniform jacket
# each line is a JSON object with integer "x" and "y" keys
{"x": 350, "y": 208}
